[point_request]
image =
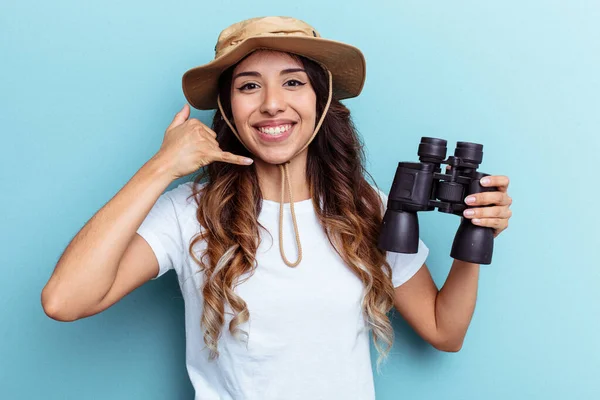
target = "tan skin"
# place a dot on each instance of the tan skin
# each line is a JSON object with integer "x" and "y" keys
{"x": 268, "y": 94}
{"x": 106, "y": 260}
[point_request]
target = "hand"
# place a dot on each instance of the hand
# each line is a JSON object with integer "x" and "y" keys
{"x": 189, "y": 145}
{"x": 496, "y": 216}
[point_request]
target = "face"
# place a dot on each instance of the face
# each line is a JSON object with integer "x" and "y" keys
{"x": 273, "y": 105}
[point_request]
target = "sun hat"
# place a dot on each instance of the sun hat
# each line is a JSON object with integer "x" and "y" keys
{"x": 345, "y": 62}
{"x": 345, "y": 66}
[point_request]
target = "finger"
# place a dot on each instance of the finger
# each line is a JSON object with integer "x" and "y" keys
{"x": 212, "y": 146}
{"x": 206, "y": 129}
{"x": 495, "y": 223}
{"x": 181, "y": 116}
{"x": 498, "y": 231}
{"x": 205, "y": 132}
{"x": 499, "y": 181}
{"x": 489, "y": 198}
{"x": 214, "y": 142}
{"x": 210, "y": 139}
{"x": 502, "y": 212}
{"x": 231, "y": 158}
{"x": 212, "y": 133}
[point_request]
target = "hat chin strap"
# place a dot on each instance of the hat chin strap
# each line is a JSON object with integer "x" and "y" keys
{"x": 283, "y": 167}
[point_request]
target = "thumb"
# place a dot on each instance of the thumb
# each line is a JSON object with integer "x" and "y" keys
{"x": 181, "y": 116}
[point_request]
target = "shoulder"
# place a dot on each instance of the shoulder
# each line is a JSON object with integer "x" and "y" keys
{"x": 182, "y": 196}
{"x": 382, "y": 195}
{"x": 181, "y": 192}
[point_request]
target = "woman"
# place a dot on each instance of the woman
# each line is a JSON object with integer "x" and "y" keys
{"x": 274, "y": 242}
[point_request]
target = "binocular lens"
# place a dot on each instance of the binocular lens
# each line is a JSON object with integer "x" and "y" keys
{"x": 432, "y": 148}
{"x": 469, "y": 152}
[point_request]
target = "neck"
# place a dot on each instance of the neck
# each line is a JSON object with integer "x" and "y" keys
{"x": 269, "y": 178}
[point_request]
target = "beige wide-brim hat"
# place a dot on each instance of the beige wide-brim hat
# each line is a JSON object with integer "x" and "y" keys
{"x": 345, "y": 62}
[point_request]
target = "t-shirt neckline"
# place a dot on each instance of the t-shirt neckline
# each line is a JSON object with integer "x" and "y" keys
{"x": 299, "y": 206}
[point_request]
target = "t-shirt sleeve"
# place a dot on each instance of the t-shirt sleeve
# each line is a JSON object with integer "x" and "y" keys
{"x": 404, "y": 266}
{"x": 162, "y": 231}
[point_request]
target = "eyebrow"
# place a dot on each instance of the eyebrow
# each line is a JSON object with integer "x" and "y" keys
{"x": 254, "y": 73}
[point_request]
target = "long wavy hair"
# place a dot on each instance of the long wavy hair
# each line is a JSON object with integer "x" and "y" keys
{"x": 229, "y": 201}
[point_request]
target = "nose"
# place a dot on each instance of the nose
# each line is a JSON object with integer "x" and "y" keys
{"x": 273, "y": 100}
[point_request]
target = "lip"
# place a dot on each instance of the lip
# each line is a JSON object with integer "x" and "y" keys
{"x": 274, "y": 122}
{"x": 274, "y": 138}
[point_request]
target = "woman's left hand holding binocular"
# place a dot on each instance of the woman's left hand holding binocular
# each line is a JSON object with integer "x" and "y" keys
{"x": 498, "y": 212}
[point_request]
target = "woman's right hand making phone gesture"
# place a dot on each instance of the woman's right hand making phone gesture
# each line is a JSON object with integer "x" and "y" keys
{"x": 189, "y": 145}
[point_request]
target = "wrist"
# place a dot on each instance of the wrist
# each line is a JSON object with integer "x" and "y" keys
{"x": 160, "y": 169}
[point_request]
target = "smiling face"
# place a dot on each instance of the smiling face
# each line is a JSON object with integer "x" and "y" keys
{"x": 273, "y": 105}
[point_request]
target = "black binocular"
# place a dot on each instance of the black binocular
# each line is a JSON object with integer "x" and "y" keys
{"x": 422, "y": 187}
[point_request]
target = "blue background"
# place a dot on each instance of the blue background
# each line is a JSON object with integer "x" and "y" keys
{"x": 88, "y": 88}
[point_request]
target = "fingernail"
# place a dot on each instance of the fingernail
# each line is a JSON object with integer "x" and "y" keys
{"x": 469, "y": 213}
{"x": 248, "y": 160}
{"x": 470, "y": 200}
{"x": 476, "y": 221}
{"x": 485, "y": 181}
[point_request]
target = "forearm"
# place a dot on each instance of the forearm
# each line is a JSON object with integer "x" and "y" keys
{"x": 455, "y": 304}
{"x": 87, "y": 268}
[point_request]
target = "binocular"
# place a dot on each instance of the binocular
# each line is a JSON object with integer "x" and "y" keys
{"x": 423, "y": 187}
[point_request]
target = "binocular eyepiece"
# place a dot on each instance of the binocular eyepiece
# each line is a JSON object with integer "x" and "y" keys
{"x": 423, "y": 186}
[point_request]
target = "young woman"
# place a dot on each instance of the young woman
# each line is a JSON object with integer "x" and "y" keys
{"x": 275, "y": 241}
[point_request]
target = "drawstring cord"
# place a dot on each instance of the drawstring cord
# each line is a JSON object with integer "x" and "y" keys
{"x": 286, "y": 175}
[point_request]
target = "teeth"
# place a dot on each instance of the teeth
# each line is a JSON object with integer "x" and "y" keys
{"x": 276, "y": 130}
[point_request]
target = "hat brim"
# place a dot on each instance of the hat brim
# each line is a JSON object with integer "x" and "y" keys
{"x": 345, "y": 62}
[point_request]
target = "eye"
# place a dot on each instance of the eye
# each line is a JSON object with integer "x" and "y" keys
{"x": 246, "y": 86}
{"x": 297, "y": 82}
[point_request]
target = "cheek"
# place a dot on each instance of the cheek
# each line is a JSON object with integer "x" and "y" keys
{"x": 241, "y": 109}
{"x": 307, "y": 107}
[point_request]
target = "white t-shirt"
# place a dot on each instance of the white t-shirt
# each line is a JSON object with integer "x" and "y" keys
{"x": 307, "y": 334}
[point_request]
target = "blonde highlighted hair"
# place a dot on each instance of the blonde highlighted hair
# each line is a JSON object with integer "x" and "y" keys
{"x": 229, "y": 202}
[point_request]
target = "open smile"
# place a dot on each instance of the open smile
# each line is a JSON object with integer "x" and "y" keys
{"x": 275, "y": 133}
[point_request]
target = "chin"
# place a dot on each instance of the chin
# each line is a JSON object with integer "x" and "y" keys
{"x": 275, "y": 160}
{"x": 274, "y": 157}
